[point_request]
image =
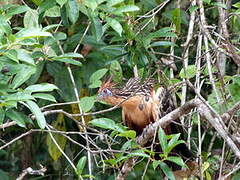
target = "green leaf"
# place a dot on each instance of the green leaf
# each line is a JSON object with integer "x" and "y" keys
{"x": 128, "y": 134}
{"x": 176, "y": 17}
{"x": 44, "y": 87}
{"x": 193, "y": 8}
{"x": 218, "y": 4}
{"x": 156, "y": 163}
{"x": 70, "y": 55}
{"x": 115, "y": 25}
{"x": 24, "y": 56}
{"x": 166, "y": 170}
{"x": 236, "y": 5}
{"x": 116, "y": 71}
{"x": 4, "y": 25}
{"x": 139, "y": 153}
{"x": 176, "y": 160}
{"x": 174, "y": 139}
{"x": 92, "y": 4}
{"x": 19, "y": 96}
{"x": 207, "y": 1}
{"x": 107, "y": 124}
{"x": 163, "y": 43}
{"x": 95, "y": 84}
{"x": 98, "y": 75}
{"x": 17, "y": 10}
{"x": 2, "y": 115}
{"x": 96, "y": 28}
{"x": 30, "y": 19}
{"x": 58, "y": 124}
{"x": 23, "y": 75}
{"x": 190, "y": 72}
{"x": 12, "y": 54}
{"x": 113, "y": 2}
{"x": 37, "y": 112}
{"x": 162, "y": 139}
{"x": 61, "y": 2}
{"x": 37, "y": 2}
{"x": 87, "y": 103}
{"x": 81, "y": 164}
{"x": 53, "y": 12}
{"x": 72, "y": 10}
{"x": 18, "y": 117}
{"x": 68, "y": 60}
{"x": 127, "y": 8}
{"x": 48, "y": 97}
{"x": 163, "y": 32}
{"x": 27, "y": 33}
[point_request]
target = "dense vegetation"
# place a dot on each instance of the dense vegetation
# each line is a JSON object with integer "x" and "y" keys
{"x": 54, "y": 55}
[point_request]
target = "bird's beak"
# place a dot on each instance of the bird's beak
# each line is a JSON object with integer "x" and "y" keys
{"x": 99, "y": 97}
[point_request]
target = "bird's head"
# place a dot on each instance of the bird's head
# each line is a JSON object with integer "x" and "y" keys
{"x": 105, "y": 91}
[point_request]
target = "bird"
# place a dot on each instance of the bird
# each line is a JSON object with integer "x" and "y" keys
{"x": 142, "y": 105}
{"x": 138, "y": 100}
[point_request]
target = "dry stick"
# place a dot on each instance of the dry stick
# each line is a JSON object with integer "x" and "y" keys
{"x": 186, "y": 52}
{"x": 236, "y": 168}
{"x": 17, "y": 138}
{"x": 203, "y": 26}
{"x": 78, "y": 99}
{"x": 204, "y": 111}
{"x": 222, "y": 17}
{"x": 29, "y": 170}
{"x": 198, "y": 89}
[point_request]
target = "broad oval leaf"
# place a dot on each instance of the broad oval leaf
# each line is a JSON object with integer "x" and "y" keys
{"x": 166, "y": 170}
{"x": 68, "y": 60}
{"x": 27, "y": 33}
{"x": 162, "y": 139}
{"x": 128, "y": 134}
{"x": 127, "y": 8}
{"x": 96, "y": 28}
{"x": 72, "y": 10}
{"x": 98, "y": 75}
{"x": 30, "y": 19}
{"x": 95, "y": 84}
{"x": 92, "y": 4}
{"x": 81, "y": 164}
{"x": 87, "y": 103}
{"x": 107, "y": 124}
{"x": 53, "y": 150}
{"x": 38, "y": 114}
{"x": 176, "y": 160}
{"x": 19, "y": 96}
{"x": 116, "y": 71}
{"x": 23, "y": 75}
{"x": 44, "y": 87}
{"x": 115, "y": 25}
{"x": 18, "y": 117}
{"x": 190, "y": 72}
{"x": 48, "y": 97}
{"x": 70, "y": 55}
{"x": 24, "y": 56}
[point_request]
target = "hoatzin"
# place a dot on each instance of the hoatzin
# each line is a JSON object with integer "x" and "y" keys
{"x": 141, "y": 105}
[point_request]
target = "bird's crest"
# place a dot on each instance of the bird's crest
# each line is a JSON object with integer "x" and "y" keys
{"x": 107, "y": 84}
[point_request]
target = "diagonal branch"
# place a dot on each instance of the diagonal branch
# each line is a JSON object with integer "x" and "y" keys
{"x": 205, "y": 113}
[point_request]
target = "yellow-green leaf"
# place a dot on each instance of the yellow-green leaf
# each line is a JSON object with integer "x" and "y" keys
{"x": 53, "y": 150}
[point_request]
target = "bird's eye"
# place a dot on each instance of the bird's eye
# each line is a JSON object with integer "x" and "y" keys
{"x": 107, "y": 92}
